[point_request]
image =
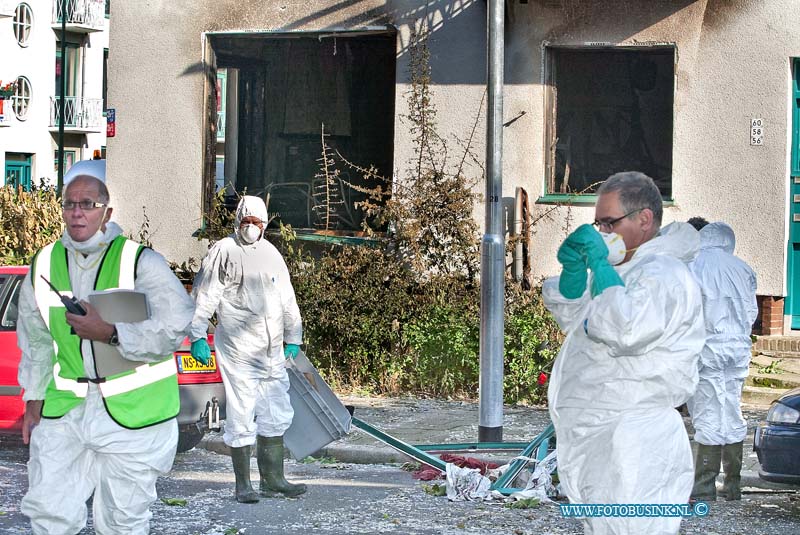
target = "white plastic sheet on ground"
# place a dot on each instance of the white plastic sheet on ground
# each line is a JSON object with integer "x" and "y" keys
{"x": 540, "y": 485}
{"x": 466, "y": 484}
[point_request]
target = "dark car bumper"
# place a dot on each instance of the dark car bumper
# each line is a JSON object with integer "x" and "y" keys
{"x": 778, "y": 450}
{"x": 196, "y": 397}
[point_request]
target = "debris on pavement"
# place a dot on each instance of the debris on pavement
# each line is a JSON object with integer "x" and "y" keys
{"x": 427, "y": 473}
{"x": 469, "y": 462}
{"x": 540, "y": 485}
{"x": 174, "y": 501}
{"x": 466, "y": 484}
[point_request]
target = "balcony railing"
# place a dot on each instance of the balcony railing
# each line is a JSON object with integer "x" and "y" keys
{"x": 83, "y": 114}
{"x": 87, "y": 14}
{"x": 220, "y": 125}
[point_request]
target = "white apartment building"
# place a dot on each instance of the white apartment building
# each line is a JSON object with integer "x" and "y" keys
{"x": 30, "y": 50}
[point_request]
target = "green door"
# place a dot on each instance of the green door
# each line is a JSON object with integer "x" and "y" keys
{"x": 18, "y": 172}
{"x": 792, "y": 307}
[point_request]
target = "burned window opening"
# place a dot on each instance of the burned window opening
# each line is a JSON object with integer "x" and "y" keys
{"x": 610, "y": 110}
{"x": 279, "y": 91}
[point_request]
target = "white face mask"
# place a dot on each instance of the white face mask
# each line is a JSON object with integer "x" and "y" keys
{"x": 616, "y": 247}
{"x": 250, "y": 233}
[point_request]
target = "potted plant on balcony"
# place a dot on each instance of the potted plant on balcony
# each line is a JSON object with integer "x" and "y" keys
{"x": 7, "y": 90}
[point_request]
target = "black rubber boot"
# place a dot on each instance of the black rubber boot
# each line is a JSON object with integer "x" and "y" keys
{"x": 270, "y": 466}
{"x": 241, "y": 469}
{"x": 706, "y": 470}
{"x": 732, "y": 466}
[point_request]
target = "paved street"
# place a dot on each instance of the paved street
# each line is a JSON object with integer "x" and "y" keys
{"x": 372, "y": 498}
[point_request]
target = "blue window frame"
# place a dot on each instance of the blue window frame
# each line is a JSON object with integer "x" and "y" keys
{"x": 18, "y": 171}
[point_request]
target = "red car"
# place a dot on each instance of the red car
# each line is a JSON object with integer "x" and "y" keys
{"x": 201, "y": 390}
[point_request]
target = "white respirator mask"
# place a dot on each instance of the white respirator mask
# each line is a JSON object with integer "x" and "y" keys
{"x": 616, "y": 247}
{"x": 250, "y": 233}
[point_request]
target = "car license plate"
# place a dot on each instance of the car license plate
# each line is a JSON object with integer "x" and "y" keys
{"x": 187, "y": 364}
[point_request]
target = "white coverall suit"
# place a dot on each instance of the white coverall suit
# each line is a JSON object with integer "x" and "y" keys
{"x": 249, "y": 288}
{"x": 730, "y": 308}
{"x": 629, "y": 358}
{"x": 85, "y": 451}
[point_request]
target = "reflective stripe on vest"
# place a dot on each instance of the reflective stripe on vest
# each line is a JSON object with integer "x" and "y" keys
{"x": 141, "y": 376}
{"x": 79, "y": 389}
{"x": 143, "y": 396}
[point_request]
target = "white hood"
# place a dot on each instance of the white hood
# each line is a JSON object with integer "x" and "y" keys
{"x": 677, "y": 239}
{"x": 719, "y": 235}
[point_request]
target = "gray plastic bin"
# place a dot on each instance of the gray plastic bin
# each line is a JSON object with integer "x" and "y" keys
{"x": 319, "y": 416}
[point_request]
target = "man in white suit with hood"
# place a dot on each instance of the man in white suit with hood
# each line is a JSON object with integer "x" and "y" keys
{"x": 730, "y": 308}
{"x": 244, "y": 279}
{"x": 634, "y": 330}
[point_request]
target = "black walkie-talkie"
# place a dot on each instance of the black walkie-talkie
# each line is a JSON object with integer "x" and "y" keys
{"x": 70, "y": 303}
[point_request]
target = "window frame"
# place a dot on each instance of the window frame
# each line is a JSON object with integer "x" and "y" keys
{"x": 549, "y": 79}
{"x": 210, "y": 52}
{"x": 23, "y": 86}
{"x": 70, "y": 157}
{"x": 73, "y": 64}
{"x": 13, "y": 285}
{"x": 19, "y": 24}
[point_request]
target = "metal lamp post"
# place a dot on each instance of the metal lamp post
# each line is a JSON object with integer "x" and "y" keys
{"x": 490, "y": 425}
{"x": 62, "y": 90}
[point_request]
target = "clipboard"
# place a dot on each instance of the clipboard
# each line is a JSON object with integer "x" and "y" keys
{"x": 116, "y": 306}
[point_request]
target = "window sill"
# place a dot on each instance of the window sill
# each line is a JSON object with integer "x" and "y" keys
{"x": 581, "y": 200}
{"x": 318, "y": 236}
{"x": 565, "y": 198}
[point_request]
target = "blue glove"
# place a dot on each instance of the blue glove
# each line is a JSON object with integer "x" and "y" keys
{"x": 572, "y": 282}
{"x": 291, "y": 351}
{"x": 200, "y": 351}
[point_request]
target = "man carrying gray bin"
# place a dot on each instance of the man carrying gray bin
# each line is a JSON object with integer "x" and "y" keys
{"x": 244, "y": 279}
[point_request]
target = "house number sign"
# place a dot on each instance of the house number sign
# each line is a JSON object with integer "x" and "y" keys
{"x": 756, "y": 131}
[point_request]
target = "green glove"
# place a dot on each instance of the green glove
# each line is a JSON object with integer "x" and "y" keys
{"x": 604, "y": 276}
{"x": 572, "y": 282}
{"x": 596, "y": 251}
{"x": 291, "y": 351}
{"x": 572, "y": 251}
{"x": 200, "y": 351}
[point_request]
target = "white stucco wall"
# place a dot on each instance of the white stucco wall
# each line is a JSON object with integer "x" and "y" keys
{"x": 156, "y": 86}
{"x": 732, "y": 64}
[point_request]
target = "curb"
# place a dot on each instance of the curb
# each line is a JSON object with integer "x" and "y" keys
{"x": 365, "y": 454}
{"x": 346, "y": 453}
{"x": 750, "y": 478}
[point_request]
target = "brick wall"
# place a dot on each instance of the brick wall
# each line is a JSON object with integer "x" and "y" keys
{"x": 770, "y": 316}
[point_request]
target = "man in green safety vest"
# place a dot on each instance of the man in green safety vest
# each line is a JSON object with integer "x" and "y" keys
{"x": 108, "y": 436}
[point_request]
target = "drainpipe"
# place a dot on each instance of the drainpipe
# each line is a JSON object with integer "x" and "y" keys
{"x": 490, "y": 425}
{"x": 518, "y": 226}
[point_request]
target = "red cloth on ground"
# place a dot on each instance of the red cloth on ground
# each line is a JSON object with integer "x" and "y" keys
{"x": 428, "y": 473}
{"x": 468, "y": 462}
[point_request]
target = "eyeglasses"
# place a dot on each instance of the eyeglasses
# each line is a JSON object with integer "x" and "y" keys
{"x": 608, "y": 224}
{"x": 84, "y": 205}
